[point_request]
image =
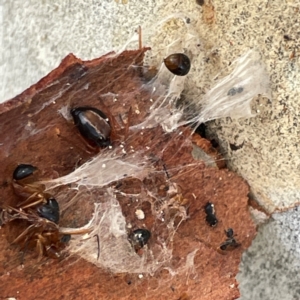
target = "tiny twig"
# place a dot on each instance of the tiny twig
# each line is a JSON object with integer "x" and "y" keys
{"x": 140, "y": 37}
{"x": 98, "y": 242}
{"x": 166, "y": 171}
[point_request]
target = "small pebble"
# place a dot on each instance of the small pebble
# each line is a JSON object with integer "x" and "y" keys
{"x": 140, "y": 214}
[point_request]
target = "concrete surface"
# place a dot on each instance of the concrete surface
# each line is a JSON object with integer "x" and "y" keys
{"x": 37, "y": 35}
{"x": 270, "y": 269}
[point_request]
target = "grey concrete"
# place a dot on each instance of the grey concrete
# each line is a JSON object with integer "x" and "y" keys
{"x": 37, "y": 34}
{"x": 270, "y": 269}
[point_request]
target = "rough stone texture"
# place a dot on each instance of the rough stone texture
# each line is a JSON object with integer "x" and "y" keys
{"x": 53, "y": 144}
{"x": 269, "y": 260}
{"x": 36, "y": 36}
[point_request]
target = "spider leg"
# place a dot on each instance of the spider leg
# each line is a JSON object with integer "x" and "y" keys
{"x": 42, "y": 199}
{"x": 25, "y": 234}
{"x": 26, "y": 190}
{"x": 40, "y": 247}
{"x": 21, "y": 190}
{"x": 29, "y": 202}
{"x": 82, "y": 230}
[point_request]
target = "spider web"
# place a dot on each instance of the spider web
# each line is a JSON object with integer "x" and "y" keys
{"x": 132, "y": 174}
{"x": 150, "y": 165}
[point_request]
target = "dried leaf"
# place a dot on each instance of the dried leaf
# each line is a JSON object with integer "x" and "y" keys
{"x": 34, "y": 132}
